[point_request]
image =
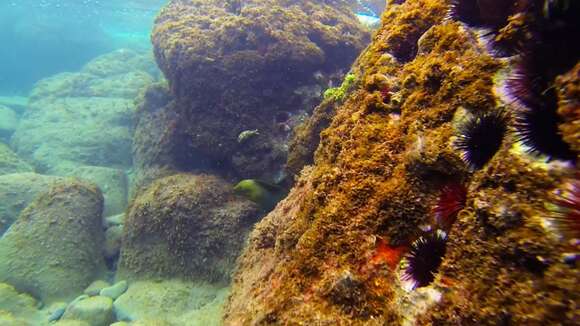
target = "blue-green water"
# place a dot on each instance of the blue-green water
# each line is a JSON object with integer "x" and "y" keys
{"x": 42, "y": 37}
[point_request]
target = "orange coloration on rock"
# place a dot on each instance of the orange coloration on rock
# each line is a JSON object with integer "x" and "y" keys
{"x": 387, "y": 254}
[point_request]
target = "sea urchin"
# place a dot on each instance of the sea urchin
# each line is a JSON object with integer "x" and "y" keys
{"x": 565, "y": 210}
{"x": 451, "y": 200}
{"x": 423, "y": 259}
{"x": 481, "y": 136}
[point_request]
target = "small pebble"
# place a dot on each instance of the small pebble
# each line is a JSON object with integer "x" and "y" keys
{"x": 57, "y": 313}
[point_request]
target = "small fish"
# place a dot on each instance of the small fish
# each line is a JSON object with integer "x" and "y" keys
{"x": 264, "y": 194}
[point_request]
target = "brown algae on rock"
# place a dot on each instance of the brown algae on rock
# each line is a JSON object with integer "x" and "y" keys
{"x": 378, "y": 171}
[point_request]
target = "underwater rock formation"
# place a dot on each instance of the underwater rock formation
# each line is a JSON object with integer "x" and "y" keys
{"x": 18, "y": 308}
{"x": 112, "y": 182}
{"x": 185, "y": 226}
{"x": 90, "y": 111}
{"x": 8, "y": 122}
{"x": 410, "y": 216}
{"x": 17, "y": 190}
{"x": 171, "y": 302}
{"x": 236, "y": 66}
{"x": 11, "y": 163}
{"x": 53, "y": 250}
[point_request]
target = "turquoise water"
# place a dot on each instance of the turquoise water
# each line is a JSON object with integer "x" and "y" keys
{"x": 42, "y": 37}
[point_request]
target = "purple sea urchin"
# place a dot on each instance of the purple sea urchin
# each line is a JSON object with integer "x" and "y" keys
{"x": 423, "y": 259}
{"x": 481, "y": 136}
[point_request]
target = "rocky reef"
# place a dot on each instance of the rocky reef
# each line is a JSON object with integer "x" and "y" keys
{"x": 433, "y": 197}
{"x": 185, "y": 226}
{"x": 239, "y": 66}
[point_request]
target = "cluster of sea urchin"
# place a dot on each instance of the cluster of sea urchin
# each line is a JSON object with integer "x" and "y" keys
{"x": 543, "y": 34}
{"x": 421, "y": 263}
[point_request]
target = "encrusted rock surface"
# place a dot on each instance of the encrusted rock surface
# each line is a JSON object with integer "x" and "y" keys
{"x": 236, "y": 66}
{"x": 337, "y": 250}
{"x": 185, "y": 226}
{"x": 53, "y": 250}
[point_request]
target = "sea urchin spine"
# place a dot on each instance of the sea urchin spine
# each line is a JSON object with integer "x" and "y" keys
{"x": 451, "y": 200}
{"x": 421, "y": 263}
{"x": 481, "y": 136}
{"x": 565, "y": 210}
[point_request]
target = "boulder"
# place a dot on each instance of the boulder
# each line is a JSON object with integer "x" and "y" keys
{"x": 113, "y": 185}
{"x": 96, "y": 311}
{"x": 235, "y": 67}
{"x": 84, "y": 118}
{"x": 17, "y": 191}
{"x": 53, "y": 250}
{"x": 165, "y": 300}
{"x": 11, "y": 163}
{"x": 61, "y": 134}
{"x": 21, "y": 307}
{"x": 8, "y": 122}
{"x": 186, "y": 226}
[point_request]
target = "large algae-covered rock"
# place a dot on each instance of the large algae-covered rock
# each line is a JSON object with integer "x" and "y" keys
{"x": 22, "y": 308}
{"x": 11, "y": 163}
{"x": 53, "y": 250}
{"x": 249, "y": 66}
{"x": 84, "y": 118}
{"x": 426, "y": 204}
{"x": 60, "y": 134}
{"x": 186, "y": 226}
{"x": 17, "y": 190}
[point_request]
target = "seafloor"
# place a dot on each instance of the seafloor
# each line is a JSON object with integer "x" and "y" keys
{"x": 276, "y": 162}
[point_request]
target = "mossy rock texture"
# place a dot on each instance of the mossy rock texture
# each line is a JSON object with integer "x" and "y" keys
{"x": 175, "y": 302}
{"x": 235, "y": 66}
{"x": 17, "y": 190}
{"x": 84, "y": 118}
{"x": 53, "y": 250}
{"x": 341, "y": 249}
{"x": 8, "y": 122}
{"x": 185, "y": 226}
{"x": 20, "y": 306}
{"x": 11, "y": 163}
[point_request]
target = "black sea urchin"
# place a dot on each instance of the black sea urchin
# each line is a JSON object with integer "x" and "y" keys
{"x": 482, "y": 13}
{"x": 481, "y": 136}
{"x": 423, "y": 259}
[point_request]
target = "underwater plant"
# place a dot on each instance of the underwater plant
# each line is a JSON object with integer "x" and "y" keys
{"x": 421, "y": 263}
{"x": 481, "y": 136}
{"x": 338, "y": 93}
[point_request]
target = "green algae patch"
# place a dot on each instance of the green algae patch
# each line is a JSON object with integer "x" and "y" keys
{"x": 338, "y": 93}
